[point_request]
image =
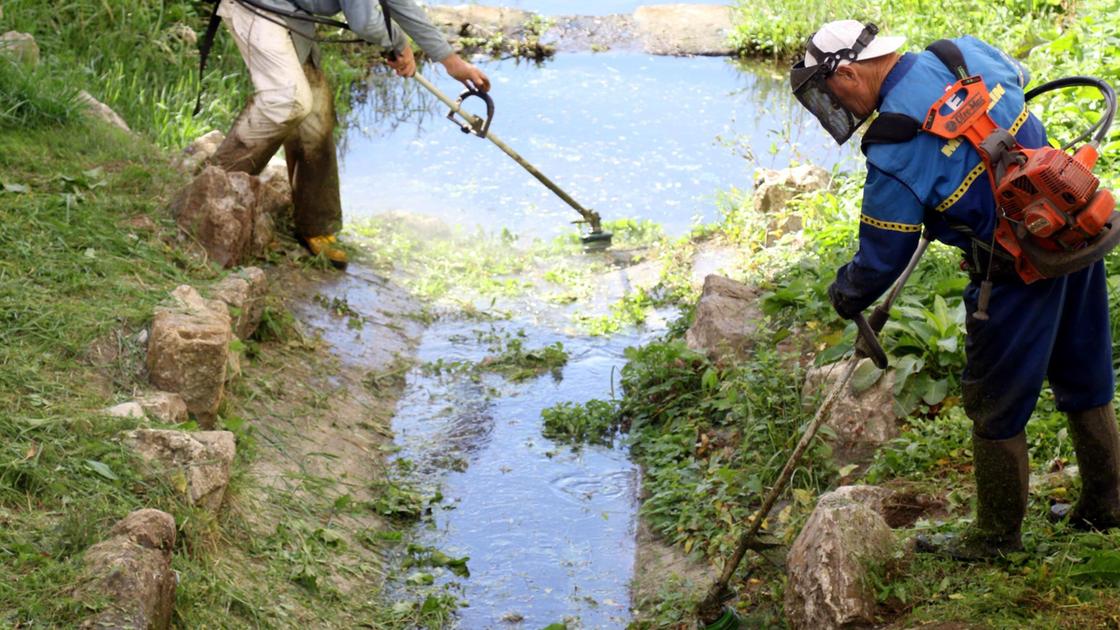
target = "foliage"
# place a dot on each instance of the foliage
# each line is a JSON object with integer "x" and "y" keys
{"x": 33, "y": 98}
{"x": 141, "y": 59}
{"x": 780, "y": 28}
{"x": 593, "y": 422}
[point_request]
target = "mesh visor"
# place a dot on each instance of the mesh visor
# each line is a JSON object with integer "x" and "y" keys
{"x": 812, "y": 91}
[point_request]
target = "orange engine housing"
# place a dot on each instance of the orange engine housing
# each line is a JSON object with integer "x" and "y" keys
{"x": 1056, "y": 197}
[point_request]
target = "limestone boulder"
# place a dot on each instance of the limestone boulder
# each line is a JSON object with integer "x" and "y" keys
{"x": 164, "y": 407}
{"x": 194, "y": 156}
{"x": 188, "y": 350}
{"x": 863, "y": 416}
{"x": 773, "y": 189}
{"x": 20, "y": 46}
{"x": 243, "y": 293}
{"x": 828, "y": 565}
{"x": 685, "y": 29}
{"x": 472, "y": 20}
{"x": 101, "y": 111}
{"x": 132, "y": 570}
{"x": 727, "y": 317}
{"x": 212, "y": 209}
{"x": 196, "y": 463}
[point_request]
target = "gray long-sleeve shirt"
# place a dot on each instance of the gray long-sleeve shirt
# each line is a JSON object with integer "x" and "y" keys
{"x": 367, "y": 22}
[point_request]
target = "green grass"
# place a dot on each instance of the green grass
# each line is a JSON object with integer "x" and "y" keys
{"x": 140, "y": 59}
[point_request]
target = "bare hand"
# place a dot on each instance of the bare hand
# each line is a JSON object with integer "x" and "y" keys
{"x": 405, "y": 63}
{"x": 467, "y": 73}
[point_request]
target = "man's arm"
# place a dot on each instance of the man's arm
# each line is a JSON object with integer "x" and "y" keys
{"x": 890, "y": 226}
{"x": 366, "y": 20}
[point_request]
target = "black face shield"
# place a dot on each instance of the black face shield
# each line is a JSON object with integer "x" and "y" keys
{"x": 810, "y": 85}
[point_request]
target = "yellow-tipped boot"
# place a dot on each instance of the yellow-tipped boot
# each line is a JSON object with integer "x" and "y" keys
{"x": 329, "y": 247}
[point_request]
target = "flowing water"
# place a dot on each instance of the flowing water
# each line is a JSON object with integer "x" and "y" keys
{"x": 550, "y": 530}
{"x": 573, "y": 7}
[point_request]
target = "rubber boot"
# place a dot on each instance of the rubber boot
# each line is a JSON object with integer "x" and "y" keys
{"x": 1002, "y": 475}
{"x": 1096, "y": 441}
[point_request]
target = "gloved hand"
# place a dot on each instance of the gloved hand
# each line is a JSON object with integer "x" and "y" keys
{"x": 839, "y": 302}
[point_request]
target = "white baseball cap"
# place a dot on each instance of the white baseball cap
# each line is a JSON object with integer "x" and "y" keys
{"x": 842, "y": 34}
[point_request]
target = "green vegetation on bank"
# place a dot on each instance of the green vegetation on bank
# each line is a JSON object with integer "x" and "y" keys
{"x": 711, "y": 437}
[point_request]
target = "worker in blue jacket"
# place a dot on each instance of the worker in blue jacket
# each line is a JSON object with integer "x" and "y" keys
{"x": 1054, "y": 328}
{"x": 292, "y": 104}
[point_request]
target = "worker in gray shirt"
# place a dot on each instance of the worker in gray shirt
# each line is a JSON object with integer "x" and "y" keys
{"x": 292, "y": 105}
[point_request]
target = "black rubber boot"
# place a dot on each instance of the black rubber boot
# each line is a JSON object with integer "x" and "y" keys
{"x": 1096, "y": 441}
{"x": 1002, "y": 476}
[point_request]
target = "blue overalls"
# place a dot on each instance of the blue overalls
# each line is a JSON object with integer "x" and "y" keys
{"x": 1056, "y": 328}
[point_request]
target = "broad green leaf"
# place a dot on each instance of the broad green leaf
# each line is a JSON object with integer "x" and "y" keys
{"x": 935, "y": 391}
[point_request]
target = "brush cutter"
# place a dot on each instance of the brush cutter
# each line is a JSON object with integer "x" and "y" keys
{"x": 713, "y": 613}
{"x": 595, "y": 238}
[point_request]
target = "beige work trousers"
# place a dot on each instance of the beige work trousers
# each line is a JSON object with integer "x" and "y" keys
{"x": 293, "y": 106}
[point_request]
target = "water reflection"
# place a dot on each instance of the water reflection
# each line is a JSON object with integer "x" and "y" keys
{"x": 627, "y": 134}
{"x": 574, "y": 7}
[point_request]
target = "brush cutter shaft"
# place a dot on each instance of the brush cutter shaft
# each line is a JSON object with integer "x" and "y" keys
{"x": 475, "y": 122}
{"x": 780, "y": 485}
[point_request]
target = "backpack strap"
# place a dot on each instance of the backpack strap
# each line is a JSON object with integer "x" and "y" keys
{"x": 890, "y": 128}
{"x": 950, "y": 55}
{"x": 204, "y": 46}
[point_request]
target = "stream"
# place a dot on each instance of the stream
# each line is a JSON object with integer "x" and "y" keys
{"x": 549, "y": 530}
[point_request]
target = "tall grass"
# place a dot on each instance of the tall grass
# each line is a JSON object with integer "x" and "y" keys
{"x": 32, "y": 98}
{"x": 140, "y": 58}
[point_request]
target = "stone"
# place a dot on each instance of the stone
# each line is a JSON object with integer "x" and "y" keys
{"x": 212, "y": 210}
{"x": 827, "y": 567}
{"x": 21, "y": 46}
{"x": 126, "y": 410}
{"x": 164, "y": 407}
{"x": 132, "y": 569}
{"x": 727, "y": 317}
{"x": 862, "y": 420}
{"x": 685, "y": 29}
{"x": 195, "y": 155}
{"x": 188, "y": 350}
{"x": 471, "y": 20}
{"x": 773, "y": 189}
{"x": 243, "y": 292}
{"x": 196, "y": 463}
{"x": 101, "y": 111}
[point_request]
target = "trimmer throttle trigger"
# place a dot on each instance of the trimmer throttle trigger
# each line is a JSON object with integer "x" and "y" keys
{"x": 867, "y": 343}
{"x": 474, "y": 125}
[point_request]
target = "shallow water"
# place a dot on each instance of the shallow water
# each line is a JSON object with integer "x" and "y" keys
{"x": 629, "y": 135}
{"x": 549, "y": 529}
{"x": 573, "y": 7}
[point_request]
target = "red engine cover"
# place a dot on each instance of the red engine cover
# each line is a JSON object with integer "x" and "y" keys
{"x": 1048, "y": 174}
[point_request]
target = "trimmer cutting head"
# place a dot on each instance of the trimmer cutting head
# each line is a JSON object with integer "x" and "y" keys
{"x": 596, "y": 240}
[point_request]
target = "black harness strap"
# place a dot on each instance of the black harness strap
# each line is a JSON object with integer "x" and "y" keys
{"x": 204, "y": 46}
{"x": 950, "y": 55}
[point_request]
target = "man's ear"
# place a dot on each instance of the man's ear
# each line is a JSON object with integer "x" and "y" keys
{"x": 846, "y": 72}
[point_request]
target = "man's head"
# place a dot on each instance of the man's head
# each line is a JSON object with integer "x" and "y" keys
{"x": 843, "y": 70}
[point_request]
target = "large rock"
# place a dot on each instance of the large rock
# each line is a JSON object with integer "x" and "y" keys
{"x": 188, "y": 350}
{"x": 197, "y": 464}
{"x": 727, "y": 317}
{"x": 827, "y": 566}
{"x": 132, "y": 569}
{"x": 685, "y": 29}
{"x": 471, "y": 20}
{"x": 101, "y": 111}
{"x": 243, "y": 292}
{"x": 217, "y": 209}
{"x": 773, "y": 189}
{"x": 20, "y": 46}
{"x": 195, "y": 155}
{"x": 863, "y": 416}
